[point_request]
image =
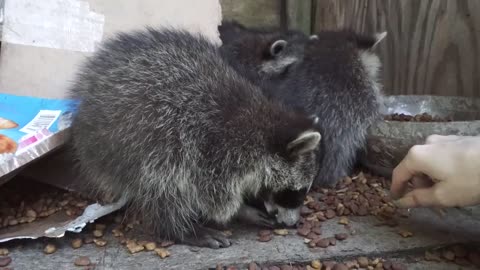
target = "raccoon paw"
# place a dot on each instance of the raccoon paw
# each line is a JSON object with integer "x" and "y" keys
{"x": 206, "y": 237}
{"x": 256, "y": 216}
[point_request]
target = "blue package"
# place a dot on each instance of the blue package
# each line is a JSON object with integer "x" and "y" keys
{"x": 26, "y": 120}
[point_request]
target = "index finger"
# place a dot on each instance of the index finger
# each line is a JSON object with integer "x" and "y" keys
{"x": 414, "y": 163}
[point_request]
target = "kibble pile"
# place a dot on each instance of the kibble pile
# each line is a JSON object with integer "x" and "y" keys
{"x": 25, "y": 205}
{"x": 360, "y": 195}
{"x": 359, "y": 263}
{"x": 423, "y": 117}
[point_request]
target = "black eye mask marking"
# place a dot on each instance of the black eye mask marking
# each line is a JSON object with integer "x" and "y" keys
{"x": 290, "y": 198}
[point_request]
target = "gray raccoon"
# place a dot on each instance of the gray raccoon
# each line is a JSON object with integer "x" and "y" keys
{"x": 260, "y": 53}
{"x": 164, "y": 122}
{"x": 337, "y": 80}
{"x": 334, "y": 77}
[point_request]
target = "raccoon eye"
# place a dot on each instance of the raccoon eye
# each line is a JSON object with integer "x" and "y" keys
{"x": 290, "y": 198}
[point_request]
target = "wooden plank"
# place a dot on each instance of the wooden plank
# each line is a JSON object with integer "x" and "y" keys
{"x": 299, "y": 15}
{"x": 252, "y": 12}
{"x": 432, "y": 47}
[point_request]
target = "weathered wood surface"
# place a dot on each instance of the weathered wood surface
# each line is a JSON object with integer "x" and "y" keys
{"x": 252, "y": 12}
{"x": 432, "y": 47}
{"x": 299, "y": 14}
{"x": 430, "y": 231}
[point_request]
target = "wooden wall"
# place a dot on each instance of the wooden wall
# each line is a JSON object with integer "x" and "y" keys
{"x": 253, "y": 12}
{"x": 432, "y": 47}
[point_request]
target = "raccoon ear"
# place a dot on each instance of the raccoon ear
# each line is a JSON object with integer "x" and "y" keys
{"x": 378, "y": 38}
{"x": 312, "y": 37}
{"x": 305, "y": 142}
{"x": 277, "y": 47}
{"x": 365, "y": 42}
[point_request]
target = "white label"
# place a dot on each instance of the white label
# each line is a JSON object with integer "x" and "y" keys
{"x": 57, "y": 24}
{"x": 44, "y": 119}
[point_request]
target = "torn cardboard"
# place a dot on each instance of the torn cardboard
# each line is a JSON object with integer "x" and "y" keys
{"x": 56, "y": 225}
{"x": 43, "y": 42}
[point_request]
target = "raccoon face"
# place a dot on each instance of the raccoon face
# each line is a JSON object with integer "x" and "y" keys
{"x": 285, "y": 205}
{"x": 293, "y": 177}
{"x": 267, "y": 52}
{"x": 334, "y": 45}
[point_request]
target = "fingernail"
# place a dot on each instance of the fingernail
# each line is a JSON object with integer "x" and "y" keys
{"x": 396, "y": 203}
{"x": 403, "y": 202}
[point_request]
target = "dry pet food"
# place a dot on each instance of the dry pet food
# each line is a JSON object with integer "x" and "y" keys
{"x": 423, "y": 117}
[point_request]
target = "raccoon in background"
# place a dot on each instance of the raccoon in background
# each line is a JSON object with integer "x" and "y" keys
{"x": 260, "y": 53}
{"x": 334, "y": 75}
{"x": 164, "y": 122}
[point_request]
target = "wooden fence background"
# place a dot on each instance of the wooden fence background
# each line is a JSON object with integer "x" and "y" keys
{"x": 432, "y": 47}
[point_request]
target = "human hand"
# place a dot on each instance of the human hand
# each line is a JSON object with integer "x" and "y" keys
{"x": 444, "y": 172}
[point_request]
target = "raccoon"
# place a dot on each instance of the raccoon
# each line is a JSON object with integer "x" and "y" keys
{"x": 164, "y": 122}
{"x": 334, "y": 76}
{"x": 337, "y": 80}
{"x": 260, "y": 53}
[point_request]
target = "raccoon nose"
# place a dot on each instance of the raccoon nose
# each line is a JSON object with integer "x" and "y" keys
{"x": 274, "y": 213}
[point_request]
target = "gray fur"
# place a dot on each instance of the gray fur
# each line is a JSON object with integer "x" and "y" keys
{"x": 254, "y": 53}
{"x": 335, "y": 78}
{"x": 166, "y": 123}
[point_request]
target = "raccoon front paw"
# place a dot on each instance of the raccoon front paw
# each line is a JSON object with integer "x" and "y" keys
{"x": 206, "y": 237}
{"x": 256, "y": 216}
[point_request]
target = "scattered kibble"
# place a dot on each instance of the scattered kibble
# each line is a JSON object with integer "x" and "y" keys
{"x": 150, "y": 246}
{"x": 341, "y": 236}
{"x": 133, "y": 247}
{"x": 162, "y": 252}
{"x": 340, "y": 266}
{"x": 5, "y": 261}
{"x": 77, "y": 243}
{"x": 363, "y": 262}
{"x": 423, "y": 117}
{"x": 405, "y": 233}
{"x": 281, "y": 232}
{"x": 100, "y": 242}
{"x": 265, "y": 238}
{"x": 49, "y": 249}
{"x": 117, "y": 232}
{"x": 265, "y": 235}
{"x": 343, "y": 221}
{"x": 316, "y": 264}
{"x": 98, "y": 233}
{"x": 323, "y": 243}
{"x": 82, "y": 261}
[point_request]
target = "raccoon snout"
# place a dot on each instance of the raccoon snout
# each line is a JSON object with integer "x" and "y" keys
{"x": 273, "y": 213}
{"x": 288, "y": 217}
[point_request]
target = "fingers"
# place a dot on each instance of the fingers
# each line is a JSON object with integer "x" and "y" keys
{"x": 424, "y": 197}
{"x": 413, "y": 164}
{"x": 421, "y": 181}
